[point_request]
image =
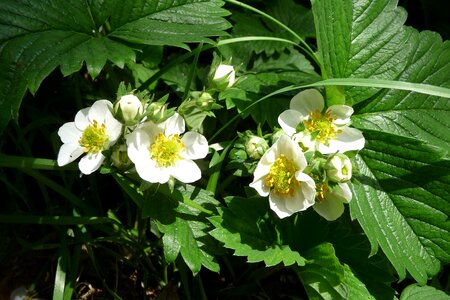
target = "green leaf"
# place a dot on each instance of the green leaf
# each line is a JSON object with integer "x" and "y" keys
{"x": 402, "y": 202}
{"x": 246, "y": 228}
{"x": 367, "y": 39}
{"x": 323, "y": 274}
{"x": 356, "y": 288}
{"x": 293, "y": 15}
{"x": 363, "y": 39}
{"x": 417, "y": 292}
{"x": 375, "y": 272}
{"x": 181, "y": 216}
{"x": 401, "y": 193}
{"x": 38, "y": 36}
{"x": 61, "y": 270}
{"x": 420, "y": 116}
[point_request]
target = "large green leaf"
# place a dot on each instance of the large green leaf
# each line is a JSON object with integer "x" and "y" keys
{"x": 402, "y": 202}
{"x": 181, "y": 216}
{"x": 361, "y": 38}
{"x": 353, "y": 249}
{"x": 401, "y": 194}
{"x": 246, "y": 228}
{"x": 416, "y": 292}
{"x": 38, "y": 36}
{"x": 412, "y": 114}
{"x": 324, "y": 277}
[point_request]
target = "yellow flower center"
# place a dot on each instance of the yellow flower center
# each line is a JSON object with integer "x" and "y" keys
{"x": 281, "y": 177}
{"x": 322, "y": 190}
{"x": 94, "y": 138}
{"x": 321, "y": 126}
{"x": 166, "y": 150}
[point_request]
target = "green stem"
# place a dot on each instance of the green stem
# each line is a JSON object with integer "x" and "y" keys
{"x": 197, "y": 206}
{"x": 192, "y": 71}
{"x": 20, "y": 162}
{"x": 53, "y": 220}
{"x": 214, "y": 178}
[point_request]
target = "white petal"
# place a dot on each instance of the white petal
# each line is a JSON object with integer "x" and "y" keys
{"x": 278, "y": 205}
{"x": 342, "y": 192}
{"x": 99, "y": 110}
{"x": 69, "y": 133}
{"x": 113, "y": 127}
{"x": 174, "y": 125}
{"x": 68, "y": 153}
{"x": 151, "y": 173}
{"x": 295, "y": 153}
{"x": 350, "y": 139}
{"x": 90, "y": 163}
{"x": 81, "y": 119}
{"x": 114, "y": 131}
{"x": 223, "y": 70}
{"x": 342, "y": 114}
{"x": 308, "y": 189}
{"x": 265, "y": 163}
{"x": 297, "y": 202}
{"x": 288, "y": 120}
{"x": 138, "y": 143}
{"x": 196, "y": 145}
{"x": 330, "y": 209}
{"x": 307, "y": 101}
{"x": 285, "y": 145}
{"x": 260, "y": 187}
{"x": 186, "y": 171}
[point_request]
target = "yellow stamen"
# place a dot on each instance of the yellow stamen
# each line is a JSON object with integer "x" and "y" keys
{"x": 321, "y": 126}
{"x": 281, "y": 177}
{"x": 166, "y": 150}
{"x": 94, "y": 138}
{"x": 322, "y": 190}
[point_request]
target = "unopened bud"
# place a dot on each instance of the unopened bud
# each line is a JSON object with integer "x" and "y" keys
{"x": 224, "y": 77}
{"x": 128, "y": 109}
{"x": 339, "y": 168}
{"x": 119, "y": 157}
{"x": 256, "y": 146}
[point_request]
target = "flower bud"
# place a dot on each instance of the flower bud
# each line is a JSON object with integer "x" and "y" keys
{"x": 203, "y": 100}
{"x": 158, "y": 112}
{"x": 128, "y": 109}
{"x": 339, "y": 168}
{"x": 255, "y": 146}
{"x": 224, "y": 77}
{"x": 119, "y": 157}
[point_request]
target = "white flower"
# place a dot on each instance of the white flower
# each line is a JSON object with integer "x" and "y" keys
{"x": 129, "y": 109}
{"x": 224, "y": 76}
{"x": 159, "y": 152}
{"x": 327, "y": 132}
{"x": 339, "y": 168}
{"x": 330, "y": 201}
{"x": 93, "y": 131}
{"x": 279, "y": 175}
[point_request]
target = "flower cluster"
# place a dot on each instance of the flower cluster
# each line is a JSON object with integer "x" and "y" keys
{"x": 133, "y": 132}
{"x": 308, "y": 165}
{"x": 142, "y": 135}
